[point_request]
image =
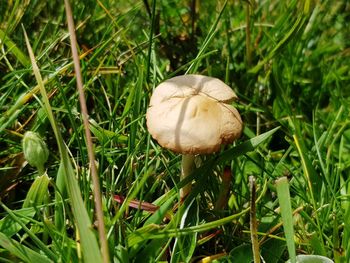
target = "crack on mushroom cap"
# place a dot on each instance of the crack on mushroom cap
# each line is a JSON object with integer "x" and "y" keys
{"x": 187, "y": 120}
{"x": 190, "y": 85}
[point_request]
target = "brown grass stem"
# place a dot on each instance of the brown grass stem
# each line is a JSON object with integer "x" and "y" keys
{"x": 91, "y": 155}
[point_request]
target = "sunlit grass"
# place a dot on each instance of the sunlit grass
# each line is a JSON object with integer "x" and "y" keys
{"x": 296, "y": 77}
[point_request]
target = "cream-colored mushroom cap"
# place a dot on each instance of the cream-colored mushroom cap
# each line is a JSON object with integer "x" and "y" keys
{"x": 190, "y": 114}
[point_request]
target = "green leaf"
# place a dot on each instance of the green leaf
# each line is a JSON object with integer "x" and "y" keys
{"x": 316, "y": 244}
{"x": 91, "y": 251}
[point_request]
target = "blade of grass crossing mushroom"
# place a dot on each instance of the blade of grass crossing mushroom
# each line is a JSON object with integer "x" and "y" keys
{"x": 245, "y": 147}
{"x": 88, "y": 240}
{"x": 228, "y": 155}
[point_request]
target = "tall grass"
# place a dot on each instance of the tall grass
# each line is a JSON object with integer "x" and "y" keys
{"x": 288, "y": 62}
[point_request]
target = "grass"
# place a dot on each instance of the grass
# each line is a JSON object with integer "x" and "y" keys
{"x": 288, "y": 62}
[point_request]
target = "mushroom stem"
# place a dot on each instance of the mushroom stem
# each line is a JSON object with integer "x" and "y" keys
{"x": 187, "y": 166}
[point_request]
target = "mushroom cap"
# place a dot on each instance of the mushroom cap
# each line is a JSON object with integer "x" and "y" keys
{"x": 190, "y": 114}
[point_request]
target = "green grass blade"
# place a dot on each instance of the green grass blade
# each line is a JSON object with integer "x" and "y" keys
{"x": 10, "y": 115}
{"x": 194, "y": 66}
{"x": 184, "y": 246}
{"x": 30, "y": 233}
{"x": 247, "y": 146}
{"x": 297, "y": 26}
{"x": 22, "y": 58}
{"x": 311, "y": 177}
{"x": 287, "y": 216}
{"x": 91, "y": 251}
{"x": 159, "y": 215}
{"x": 313, "y": 181}
{"x": 21, "y": 251}
{"x": 153, "y": 231}
{"x": 10, "y": 227}
{"x": 90, "y": 248}
{"x": 150, "y": 44}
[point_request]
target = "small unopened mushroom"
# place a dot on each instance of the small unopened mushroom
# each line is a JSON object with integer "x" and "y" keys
{"x": 191, "y": 115}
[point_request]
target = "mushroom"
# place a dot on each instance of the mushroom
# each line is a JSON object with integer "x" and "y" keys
{"x": 191, "y": 115}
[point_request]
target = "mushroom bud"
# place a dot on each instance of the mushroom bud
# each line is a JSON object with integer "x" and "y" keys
{"x": 191, "y": 115}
